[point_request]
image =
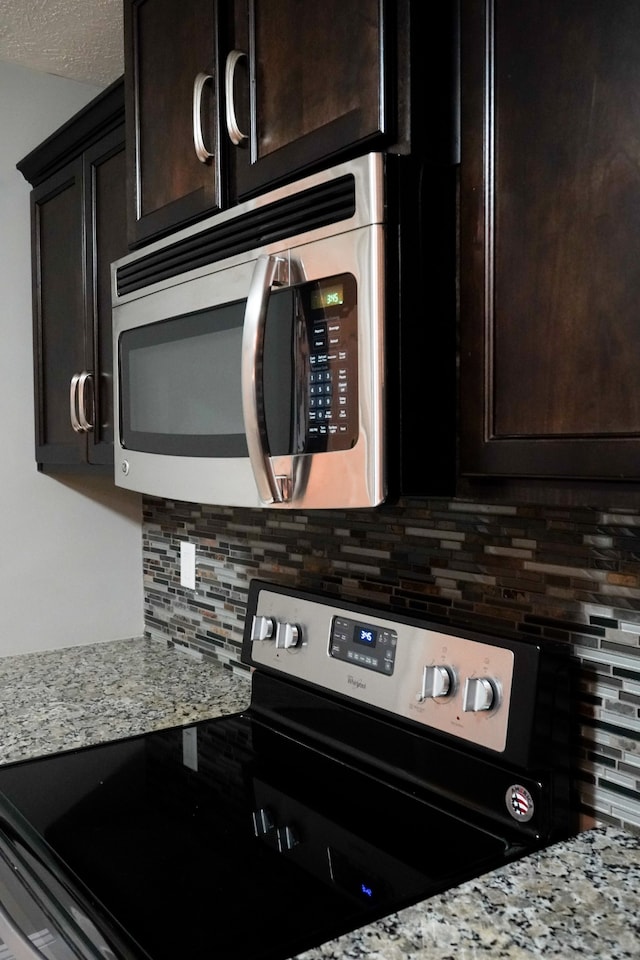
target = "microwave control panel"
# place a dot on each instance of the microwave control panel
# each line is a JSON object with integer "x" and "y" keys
{"x": 330, "y": 392}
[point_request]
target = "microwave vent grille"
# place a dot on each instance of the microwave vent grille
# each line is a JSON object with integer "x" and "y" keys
{"x": 291, "y": 216}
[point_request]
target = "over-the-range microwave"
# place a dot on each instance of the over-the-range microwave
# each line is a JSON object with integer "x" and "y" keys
{"x": 294, "y": 351}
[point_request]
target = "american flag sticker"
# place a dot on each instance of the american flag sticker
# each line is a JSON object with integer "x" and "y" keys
{"x": 519, "y": 803}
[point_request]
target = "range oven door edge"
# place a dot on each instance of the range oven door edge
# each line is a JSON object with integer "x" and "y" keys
{"x": 42, "y": 911}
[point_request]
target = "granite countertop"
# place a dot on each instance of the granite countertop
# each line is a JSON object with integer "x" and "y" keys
{"x": 77, "y": 696}
{"x": 576, "y": 897}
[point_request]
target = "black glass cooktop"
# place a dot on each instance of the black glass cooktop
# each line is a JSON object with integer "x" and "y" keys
{"x": 227, "y": 839}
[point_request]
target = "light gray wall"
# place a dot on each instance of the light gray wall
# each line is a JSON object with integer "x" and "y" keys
{"x": 71, "y": 556}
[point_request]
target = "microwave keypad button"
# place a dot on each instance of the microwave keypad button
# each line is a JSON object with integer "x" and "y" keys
{"x": 319, "y": 337}
{"x": 318, "y": 359}
{"x": 334, "y": 334}
{"x": 320, "y": 377}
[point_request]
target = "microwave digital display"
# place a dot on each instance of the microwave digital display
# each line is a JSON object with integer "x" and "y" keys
{"x": 323, "y": 297}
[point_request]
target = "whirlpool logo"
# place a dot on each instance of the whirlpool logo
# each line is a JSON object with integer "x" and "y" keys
{"x": 355, "y": 682}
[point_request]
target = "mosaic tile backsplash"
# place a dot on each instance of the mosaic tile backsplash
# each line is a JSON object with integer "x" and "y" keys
{"x": 555, "y": 574}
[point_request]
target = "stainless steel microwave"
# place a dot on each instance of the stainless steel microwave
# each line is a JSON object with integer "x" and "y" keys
{"x": 250, "y": 351}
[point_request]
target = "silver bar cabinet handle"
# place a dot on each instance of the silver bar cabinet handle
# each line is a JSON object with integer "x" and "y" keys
{"x": 198, "y": 139}
{"x": 84, "y": 378}
{"x": 235, "y": 133}
{"x": 73, "y": 403}
{"x": 267, "y": 272}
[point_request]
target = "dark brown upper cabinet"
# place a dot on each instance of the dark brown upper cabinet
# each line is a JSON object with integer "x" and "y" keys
{"x": 549, "y": 228}
{"x": 307, "y": 82}
{"x": 227, "y": 99}
{"x": 78, "y": 222}
{"x": 172, "y": 114}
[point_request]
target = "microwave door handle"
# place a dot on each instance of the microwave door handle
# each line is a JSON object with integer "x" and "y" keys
{"x": 268, "y": 271}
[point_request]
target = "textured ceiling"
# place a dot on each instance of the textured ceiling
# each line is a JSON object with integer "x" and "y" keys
{"x": 80, "y": 39}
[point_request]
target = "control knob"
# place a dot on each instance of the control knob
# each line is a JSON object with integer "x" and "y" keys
{"x": 437, "y": 681}
{"x": 288, "y": 635}
{"x": 262, "y": 628}
{"x": 480, "y": 693}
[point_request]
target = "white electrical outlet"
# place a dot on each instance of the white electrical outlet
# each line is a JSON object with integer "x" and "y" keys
{"x": 188, "y": 565}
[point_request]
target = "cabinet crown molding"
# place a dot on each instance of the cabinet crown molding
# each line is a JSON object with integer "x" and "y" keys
{"x": 97, "y": 118}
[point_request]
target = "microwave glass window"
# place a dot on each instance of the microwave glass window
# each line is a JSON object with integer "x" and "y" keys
{"x": 181, "y": 387}
{"x": 181, "y": 392}
{"x": 176, "y": 386}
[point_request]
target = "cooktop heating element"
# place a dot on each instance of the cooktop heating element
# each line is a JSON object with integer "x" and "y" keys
{"x": 383, "y": 759}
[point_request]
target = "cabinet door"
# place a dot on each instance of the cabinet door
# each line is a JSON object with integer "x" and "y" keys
{"x": 171, "y": 113}
{"x": 59, "y": 310}
{"x": 105, "y": 197}
{"x": 309, "y": 85}
{"x": 550, "y": 220}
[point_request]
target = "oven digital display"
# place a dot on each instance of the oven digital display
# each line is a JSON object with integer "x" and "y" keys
{"x": 367, "y": 636}
{"x": 363, "y": 645}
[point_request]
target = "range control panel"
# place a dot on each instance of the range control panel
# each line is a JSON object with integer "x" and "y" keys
{"x": 364, "y": 644}
{"x": 461, "y": 685}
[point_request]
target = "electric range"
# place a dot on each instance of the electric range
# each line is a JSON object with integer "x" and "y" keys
{"x": 383, "y": 758}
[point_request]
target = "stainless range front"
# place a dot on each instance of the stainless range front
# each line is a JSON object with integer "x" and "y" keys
{"x": 383, "y": 759}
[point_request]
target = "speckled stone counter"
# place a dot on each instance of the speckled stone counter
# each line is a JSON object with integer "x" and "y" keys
{"x": 578, "y": 898}
{"x": 575, "y": 898}
{"x": 78, "y": 696}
